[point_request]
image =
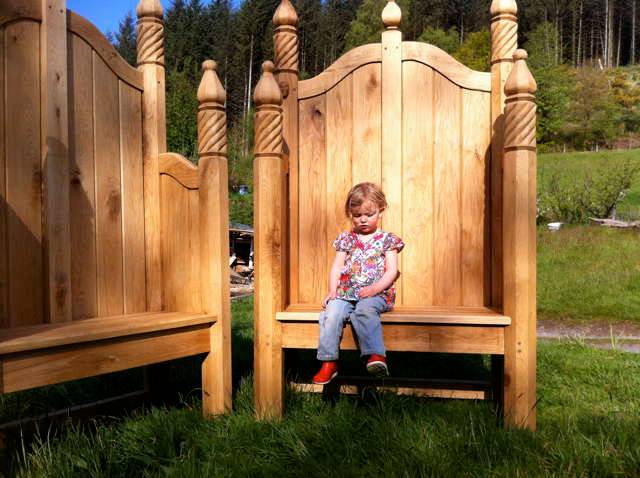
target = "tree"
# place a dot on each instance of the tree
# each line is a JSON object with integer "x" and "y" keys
{"x": 448, "y": 41}
{"x": 368, "y": 27}
{"x": 475, "y": 51}
{"x": 125, "y": 39}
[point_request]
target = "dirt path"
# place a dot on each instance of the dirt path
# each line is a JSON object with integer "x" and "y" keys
{"x": 621, "y": 335}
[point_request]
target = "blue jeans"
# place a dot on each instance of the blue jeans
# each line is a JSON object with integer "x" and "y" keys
{"x": 364, "y": 316}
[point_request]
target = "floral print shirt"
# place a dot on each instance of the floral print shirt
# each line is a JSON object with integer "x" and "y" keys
{"x": 365, "y": 263}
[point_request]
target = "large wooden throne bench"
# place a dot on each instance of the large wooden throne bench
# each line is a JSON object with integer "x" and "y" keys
{"x": 113, "y": 253}
{"x": 454, "y": 151}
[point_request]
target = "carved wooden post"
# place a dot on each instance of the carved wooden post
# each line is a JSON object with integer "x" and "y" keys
{"x": 55, "y": 161}
{"x": 504, "y": 41}
{"x": 285, "y": 45}
{"x": 392, "y": 119}
{"x": 154, "y": 137}
{"x": 269, "y": 236}
{"x": 520, "y": 245}
{"x": 214, "y": 238}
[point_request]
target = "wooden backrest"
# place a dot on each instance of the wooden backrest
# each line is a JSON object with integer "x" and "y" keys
{"x": 434, "y": 173}
{"x": 411, "y": 118}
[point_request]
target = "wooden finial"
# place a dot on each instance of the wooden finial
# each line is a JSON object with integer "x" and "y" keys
{"x": 520, "y": 80}
{"x": 149, "y": 8}
{"x": 267, "y": 91}
{"x": 150, "y": 33}
{"x": 502, "y": 7}
{"x": 212, "y": 117}
{"x": 285, "y": 38}
{"x": 391, "y": 15}
{"x": 211, "y": 89}
{"x": 285, "y": 14}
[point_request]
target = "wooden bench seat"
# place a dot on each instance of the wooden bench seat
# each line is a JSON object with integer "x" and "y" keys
{"x": 475, "y": 330}
{"x": 52, "y": 353}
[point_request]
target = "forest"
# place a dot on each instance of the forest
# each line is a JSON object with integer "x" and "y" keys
{"x": 582, "y": 52}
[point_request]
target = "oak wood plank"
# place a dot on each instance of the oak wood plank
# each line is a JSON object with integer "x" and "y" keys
{"x": 486, "y": 317}
{"x": 447, "y": 192}
{"x": 24, "y": 174}
{"x": 312, "y": 276}
{"x": 82, "y": 189}
{"x": 55, "y": 161}
{"x": 4, "y": 271}
{"x": 135, "y": 299}
{"x": 22, "y": 339}
{"x": 476, "y": 155}
{"x": 108, "y": 190}
{"x": 367, "y": 124}
{"x": 408, "y": 338}
{"x": 180, "y": 169}
{"x": 48, "y": 367}
{"x": 416, "y": 259}
{"x": 339, "y": 158}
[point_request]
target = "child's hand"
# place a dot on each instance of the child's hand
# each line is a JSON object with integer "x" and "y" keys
{"x": 368, "y": 291}
{"x": 325, "y": 301}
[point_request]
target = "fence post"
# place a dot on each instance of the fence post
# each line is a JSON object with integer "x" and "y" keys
{"x": 154, "y": 138}
{"x": 214, "y": 238}
{"x": 519, "y": 203}
{"x": 269, "y": 203}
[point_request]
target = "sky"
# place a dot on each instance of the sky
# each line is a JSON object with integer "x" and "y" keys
{"x": 105, "y": 14}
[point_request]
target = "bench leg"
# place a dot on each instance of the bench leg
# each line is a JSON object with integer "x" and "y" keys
{"x": 497, "y": 385}
{"x": 216, "y": 373}
{"x": 268, "y": 377}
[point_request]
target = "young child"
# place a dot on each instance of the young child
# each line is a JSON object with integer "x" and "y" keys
{"x": 360, "y": 284}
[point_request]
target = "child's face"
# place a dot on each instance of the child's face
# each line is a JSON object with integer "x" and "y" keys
{"x": 365, "y": 218}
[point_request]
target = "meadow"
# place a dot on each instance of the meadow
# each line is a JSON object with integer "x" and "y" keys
{"x": 588, "y": 409}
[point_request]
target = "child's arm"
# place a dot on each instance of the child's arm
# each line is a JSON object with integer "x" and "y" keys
{"x": 389, "y": 277}
{"x": 334, "y": 276}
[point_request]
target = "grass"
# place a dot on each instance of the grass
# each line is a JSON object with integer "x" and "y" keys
{"x": 587, "y": 426}
{"x": 589, "y": 272}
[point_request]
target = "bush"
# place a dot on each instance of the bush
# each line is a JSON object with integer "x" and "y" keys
{"x": 576, "y": 198}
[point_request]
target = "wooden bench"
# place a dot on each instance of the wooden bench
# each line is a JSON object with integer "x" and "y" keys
{"x": 113, "y": 253}
{"x": 454, "y": 151}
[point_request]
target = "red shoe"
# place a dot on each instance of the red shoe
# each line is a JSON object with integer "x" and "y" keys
{"x": 377, "y": 366}
{"x": 327, "y": 372}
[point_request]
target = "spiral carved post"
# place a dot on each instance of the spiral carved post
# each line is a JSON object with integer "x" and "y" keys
{"x": 519, "y": 203}
{"x": 285, "y": 45}
{"x": 504, "y": 41}
{"x": 154, "y": 137}
{"x": 269, "y": 206}
{"x": 214, "y": 238}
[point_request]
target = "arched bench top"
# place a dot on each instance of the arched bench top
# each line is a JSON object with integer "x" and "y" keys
{"x": 424, "y": 53}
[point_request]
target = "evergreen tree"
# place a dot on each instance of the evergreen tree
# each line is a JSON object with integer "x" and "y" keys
{"x": 125, "y": 39}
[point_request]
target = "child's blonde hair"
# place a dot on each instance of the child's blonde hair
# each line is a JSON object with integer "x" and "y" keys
{"x": 362, "y": 193}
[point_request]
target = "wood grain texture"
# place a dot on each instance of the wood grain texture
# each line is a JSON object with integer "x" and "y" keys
{"x": 339, "y": 158}
{"x": 35, "y": 337}
{"x": 24, "y": 174}
{"x": 312, "y": 202}
{"x": 82, "y": 191}
{"x": 367, "y": 124}
{"x": 37, "y": 369}
{"x": 4, "y": 265}
{"x": 55, "y": 161}
{"x": 417, "y": 258}
{"x": 447, "y": 193}
{"x": 180, "y": 169}
{"x": 133, "y": 266}
{"x": 180, "y": 247}
{"x": 108, "y": 190}
{"x": 392, "y": 159}
{"x": 154, "y": 143}
{"x": 476, "y": 155}
{"x": 81, "y": 27}
{"x": 11, "y": 10}
{"x": 455, "y": 316}
{"x": 408, "y": 338}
